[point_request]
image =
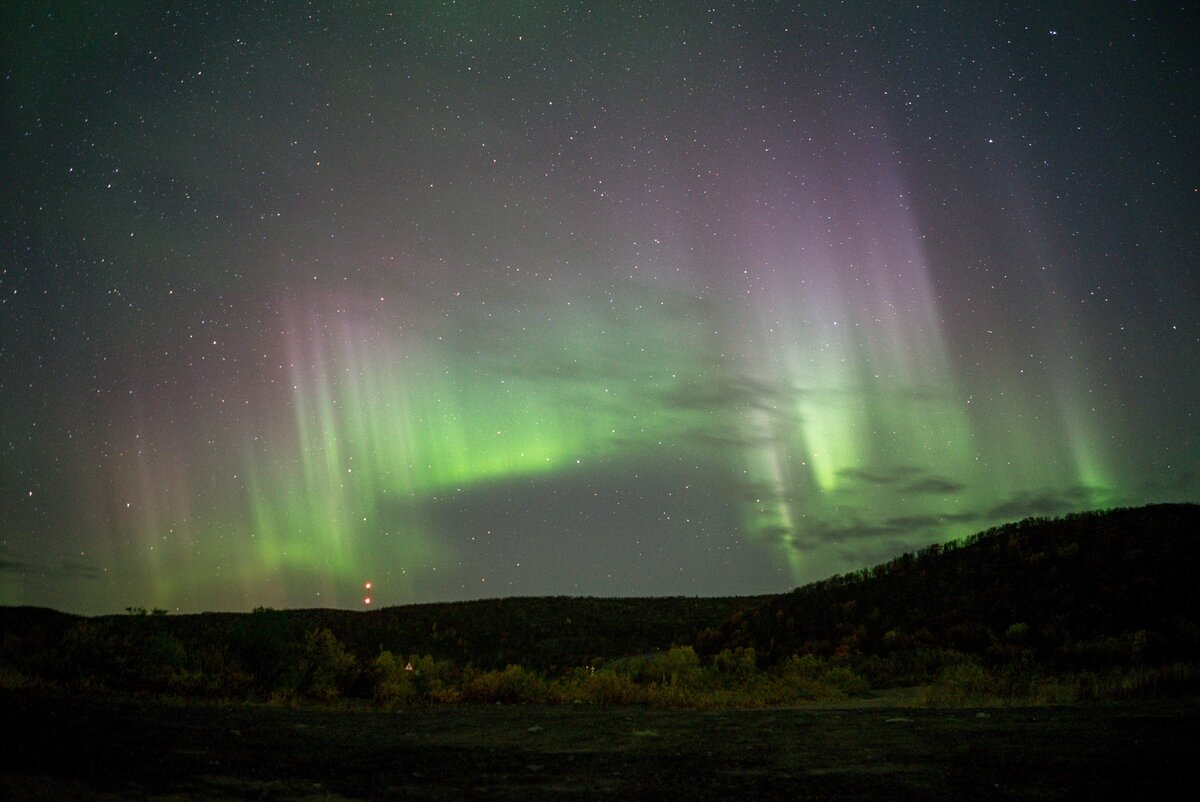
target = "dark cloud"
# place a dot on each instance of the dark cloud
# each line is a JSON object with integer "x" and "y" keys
{"x": 775, "y": 534}
{"x": 903, "y": 532}
{"x": 880, "y": 475}
{"x": 63, "y": 570}
{"x": 15, "y": 567}
{"x": 826, "y": 532}
{"x": 742, "y": 393}
{"x": 1045, "y": 503}
{"x": 908, "y": 478}
{"x": 935, "y": 485}
{"x": 727, "y": 438}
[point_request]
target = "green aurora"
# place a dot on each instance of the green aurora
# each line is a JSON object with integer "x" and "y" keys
{"x": 539, "y": 301}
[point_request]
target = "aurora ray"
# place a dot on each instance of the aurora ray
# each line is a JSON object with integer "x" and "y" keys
{"x": 476, "y": 300}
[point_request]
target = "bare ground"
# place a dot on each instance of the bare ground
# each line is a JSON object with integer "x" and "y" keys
{"x": 70, "y": 747}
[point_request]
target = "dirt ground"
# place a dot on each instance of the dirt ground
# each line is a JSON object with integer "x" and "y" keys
{"x": 119, "y": 748}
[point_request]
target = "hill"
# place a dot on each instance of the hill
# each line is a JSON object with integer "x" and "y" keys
{"x": 1093, "y": 588}
{"x": 1093, "y": 605}
{"x": 548, "y": 634}
{"x": 541, "y": 633}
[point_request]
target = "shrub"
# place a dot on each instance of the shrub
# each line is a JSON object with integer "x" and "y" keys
{"x": 430, "y": 680}
{"x": 603, "y": 687}
{"x": 513, "y": 685}
{"x": 393, "y": 684}
{"x": 326, "y": 668}
{"x": 844, "y": 682}
{"x": 809, "y": 677}
{"x": 962, "y": 684}
{"x": 679, "y": 665}
{"x": 1017, "y": 633}
{"x": 738, "y": 665}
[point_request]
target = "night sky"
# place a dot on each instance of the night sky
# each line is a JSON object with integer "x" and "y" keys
{"x": 511, "y": 298}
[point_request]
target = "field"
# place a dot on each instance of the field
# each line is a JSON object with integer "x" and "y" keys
{"x": 85, "y": 747}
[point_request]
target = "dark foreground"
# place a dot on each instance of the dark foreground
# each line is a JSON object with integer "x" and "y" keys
{"x": 105, "y": 748}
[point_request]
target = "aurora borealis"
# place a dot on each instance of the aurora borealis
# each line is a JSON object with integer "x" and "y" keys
{"x": 486, "y": 299}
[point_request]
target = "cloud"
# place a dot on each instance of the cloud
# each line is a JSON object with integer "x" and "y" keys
{"x": 730, "y": 394}
{"x": 780, "y": 535}
{"x": 896, "y": 534}
{"x": 909, "y": 478}
{"x": 880, "y": 476}
{"x": 935, "y": 485}
{"x": 827, "y": 532}
{"x": 16, "y": 567}
{"x": 1047, "y": 502}
{"x": 63, "y": 570}
{"x": 726, "y": 438}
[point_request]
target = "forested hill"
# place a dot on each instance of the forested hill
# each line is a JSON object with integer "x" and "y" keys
{"x": 1088, "y": 588}
{"x": 543, "y": 633}
{"x": 1103, "y": 588}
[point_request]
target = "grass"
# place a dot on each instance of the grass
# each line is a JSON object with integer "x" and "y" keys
{"x": 970, "y": 685}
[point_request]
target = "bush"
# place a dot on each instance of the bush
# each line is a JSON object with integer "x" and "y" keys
{"x": 679, "y": 665}
{"x": 603, "y": 687}
{"x": 844, "y": 682}
{"x": 326, "y": 669}
{"x": 419, "y": 679}
{"x": 393, "y": 685}
{"x": 962, "y": 685}
{"x": 917, "y": 666}
{"x": 739, "y": 665}
{"x": 809, "y": 677}
{"x": 513, "y": 685}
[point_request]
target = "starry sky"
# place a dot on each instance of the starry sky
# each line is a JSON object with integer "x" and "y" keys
{"x": 479, "y": 299}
